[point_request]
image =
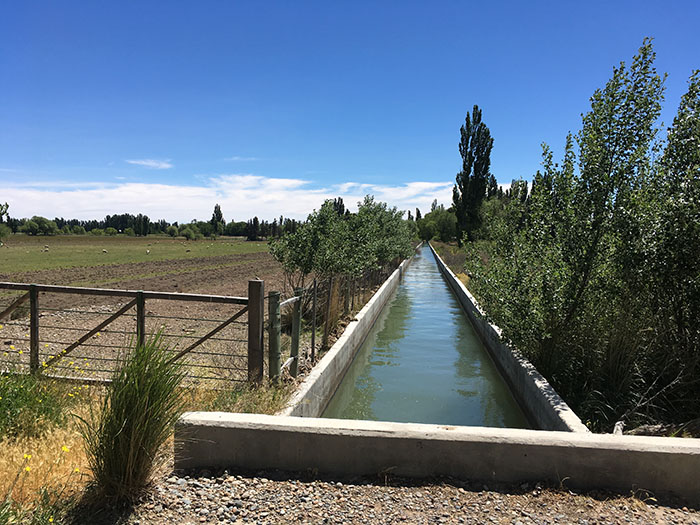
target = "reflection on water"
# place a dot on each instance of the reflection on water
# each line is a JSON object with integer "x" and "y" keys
{"x": 422, "y": 362}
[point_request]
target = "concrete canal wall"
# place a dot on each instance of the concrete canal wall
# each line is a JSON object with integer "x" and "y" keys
{"x": 663, "y": 466}
{"x": 543, "y": 406}
{"x": 317, "y": 389}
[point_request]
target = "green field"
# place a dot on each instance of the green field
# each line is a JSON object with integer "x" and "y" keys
{"x": 23, "y": 253}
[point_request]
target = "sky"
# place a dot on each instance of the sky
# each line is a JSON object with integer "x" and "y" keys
{"x": 268, "y": 108}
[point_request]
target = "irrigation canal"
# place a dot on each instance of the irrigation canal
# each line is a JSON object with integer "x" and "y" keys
{"x": 422, "y": 362}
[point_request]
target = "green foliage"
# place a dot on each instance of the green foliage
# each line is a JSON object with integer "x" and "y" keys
{"x": 5, "y": 232}
{"x": 111, "y": 231}
{"x": 129, "y": 232}
{"x": 217, "y": 221}
{"x": 139, "y": 410}
{"x": 78, "y": 230}
{"x": 594, "y": 275}
{"x": 439, "y": 224}
{"x": 172, "y": 231}
{"x": 29, "y": 405}
{"x": 335, "y": 243}
{"x": 475, "y": 180}
{"x": 97, "y": 232}
{"x": 39, "y": 226}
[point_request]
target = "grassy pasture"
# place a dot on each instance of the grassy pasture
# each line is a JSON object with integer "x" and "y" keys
{"x": 23, "y": 253}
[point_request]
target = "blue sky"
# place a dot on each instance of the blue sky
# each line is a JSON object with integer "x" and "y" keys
{"x": 268, "y": 108}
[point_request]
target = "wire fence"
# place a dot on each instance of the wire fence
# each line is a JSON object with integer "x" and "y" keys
{"x": 85, "y": 333}
{"x": 48, "y": 334}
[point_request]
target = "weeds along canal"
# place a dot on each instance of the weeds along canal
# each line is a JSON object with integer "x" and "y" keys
{"x": 422, "y": 362}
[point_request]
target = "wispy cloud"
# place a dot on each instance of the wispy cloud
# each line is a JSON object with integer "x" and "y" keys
{"x": 238, "y": 157}
{"x": 241, "y": 196}
{"x": 153, "y": 164}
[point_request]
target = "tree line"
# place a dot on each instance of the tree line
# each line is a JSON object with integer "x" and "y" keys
{"x": 594, "y": 273}
{"x": 141, "y": 225}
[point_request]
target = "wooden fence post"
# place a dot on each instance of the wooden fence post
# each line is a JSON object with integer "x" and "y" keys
{"x": 346, "y": 301}
{"x": 313, "y": 323}
{"x": 296, "y": 332}
{"x": 256, "y": 303}
{"x": 327, "y": 320}
{"x": 274, "y": 334}
{"x": 140, "y": 318}
{"x": 33, "y": 329}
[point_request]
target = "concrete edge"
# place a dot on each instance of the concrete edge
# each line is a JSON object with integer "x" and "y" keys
{"x": 543, "y": 406}
{"x": 318, "y": 387}
{"x": 663, "y": 466}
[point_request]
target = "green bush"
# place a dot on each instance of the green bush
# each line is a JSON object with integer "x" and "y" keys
{"x": 140, "y": 408}
{"x": 111, "y": 231}
{"x": 129, "y": 232}
{"x": 29, "y": 405}
{"x": 97, "y": 231}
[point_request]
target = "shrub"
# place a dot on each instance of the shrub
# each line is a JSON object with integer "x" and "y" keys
{"x": 172, "y": 231}
{"x": 97, "y": 231}
{"x": 129, "y": 232}
{"x": 5, "y": 232}
{"x": 78, "y": 230}
{"x": 139, "y": 410}
{"x": 111, "y": 231}
{"x": 29, "y": 405}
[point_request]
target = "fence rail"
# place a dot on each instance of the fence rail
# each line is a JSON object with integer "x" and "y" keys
{"x": 78, "y": 333}
{"x": 220, "y": 342}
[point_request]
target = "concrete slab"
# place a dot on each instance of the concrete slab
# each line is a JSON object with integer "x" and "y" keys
{"x": 663, "y": 466}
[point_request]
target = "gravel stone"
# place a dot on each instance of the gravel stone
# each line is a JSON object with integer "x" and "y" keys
{"x": 272, "y": 497}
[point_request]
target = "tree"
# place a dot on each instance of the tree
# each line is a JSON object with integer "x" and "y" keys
{"x": 3, "y": 211}
{"x": 418, "y": 215}
{"x": 217, "y": 221}
{"x": 565, "y": 273}
{"x": 472, "y": 182}
{"x": 253, "y": 229}
{"x": 339, "y": 206}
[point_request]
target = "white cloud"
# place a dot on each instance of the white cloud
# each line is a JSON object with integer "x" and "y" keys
{"x": 241, "y": 196}
{"x": 238, "y": 157}
{"x": 152, "y": 163}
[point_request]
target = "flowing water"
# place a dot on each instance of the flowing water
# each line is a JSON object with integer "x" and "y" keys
{"x": 422, "y": 362}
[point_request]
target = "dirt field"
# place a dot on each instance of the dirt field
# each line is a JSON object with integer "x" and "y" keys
{"x": 221, "y": 267}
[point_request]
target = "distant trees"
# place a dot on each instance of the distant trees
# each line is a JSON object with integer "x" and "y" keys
{"x": 439, "y": 223}
{"x": 141, "y": 225}
{"x": 217, "y": 221}
{"x": 475, "y": 180}
{"x": 39, "y": 226}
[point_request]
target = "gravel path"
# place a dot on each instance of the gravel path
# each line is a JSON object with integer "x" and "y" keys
{"x": 272, "y": 497}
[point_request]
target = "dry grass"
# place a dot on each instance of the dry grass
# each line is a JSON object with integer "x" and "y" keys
{"x": 252, "y": 399}
{"x": 55, "y": 461}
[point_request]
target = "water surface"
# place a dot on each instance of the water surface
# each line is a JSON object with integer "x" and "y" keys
{"x": 422, "y": 362}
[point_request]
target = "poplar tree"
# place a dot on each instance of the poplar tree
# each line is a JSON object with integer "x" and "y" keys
{"x": 473, "y": 181}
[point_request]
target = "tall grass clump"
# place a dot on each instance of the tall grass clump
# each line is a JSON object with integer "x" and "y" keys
{"x": 139, "y": 410}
